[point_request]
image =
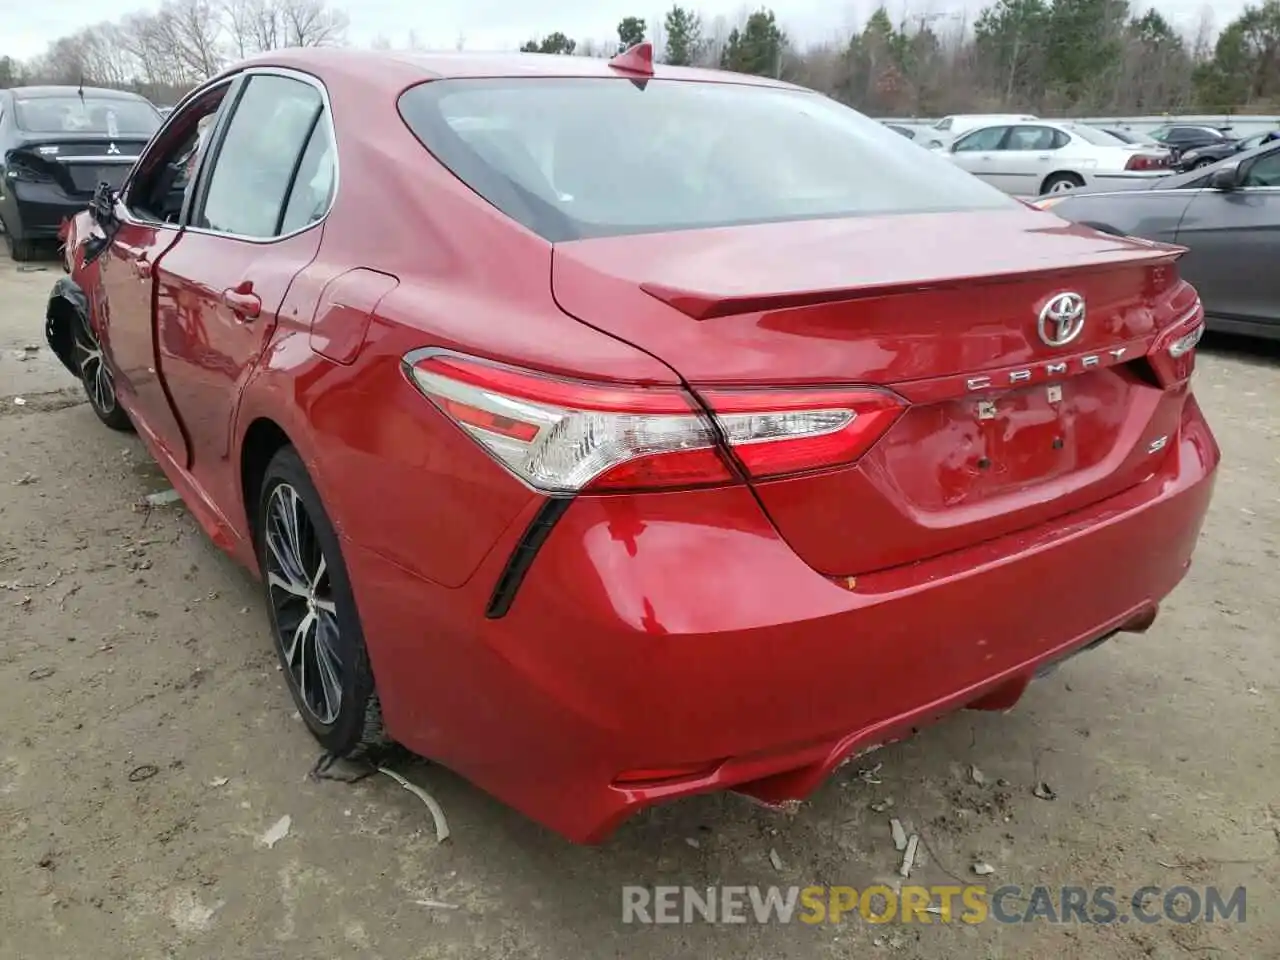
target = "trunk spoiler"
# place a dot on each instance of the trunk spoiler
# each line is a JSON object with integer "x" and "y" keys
{"x": 708, "y": 305}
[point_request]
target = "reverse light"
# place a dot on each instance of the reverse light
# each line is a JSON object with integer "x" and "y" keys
{"x": 566, "y": 436}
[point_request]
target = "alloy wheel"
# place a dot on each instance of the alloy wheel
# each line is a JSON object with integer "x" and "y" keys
{"x": 302, "y": 604}
{"x": 94, "y": 371}
{"x": 1061, "y": 186}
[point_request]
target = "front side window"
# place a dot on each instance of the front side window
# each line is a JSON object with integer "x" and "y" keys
{"x": 98, "y": 116}
{"x": 255, "y": 163}
{"x": 987, "y": 138}
{"x": 581, "y": 157}
{"x": 165, "y": 176}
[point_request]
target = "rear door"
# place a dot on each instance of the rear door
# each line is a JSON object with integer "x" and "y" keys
{"x": 1029, "y": 154}
{"x": 1234, "y": 238}
{"x": 254, "y": 224}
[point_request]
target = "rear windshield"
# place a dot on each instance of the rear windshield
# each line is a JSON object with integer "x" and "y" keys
{"x": 109, "y": 117}
{"x": 1095, "y": 136}
{"x": 572, "y": 158}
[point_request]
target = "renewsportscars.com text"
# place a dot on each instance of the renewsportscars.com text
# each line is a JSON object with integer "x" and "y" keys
{"x": 970, "y": 904}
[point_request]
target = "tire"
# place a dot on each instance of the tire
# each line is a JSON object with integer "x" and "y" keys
{"x": 21, "y": 251}
{"x": 305, "y": 582}
{"x": 1061, "y": 183}
{"x": 1202, "y": 163}
{"x": 96, "y": 377}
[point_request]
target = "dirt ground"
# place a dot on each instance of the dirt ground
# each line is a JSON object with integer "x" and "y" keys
{"x": 130, "y": 645}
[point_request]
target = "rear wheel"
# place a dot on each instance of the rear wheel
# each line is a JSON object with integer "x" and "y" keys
{"x": 1061, "y": 183}
{"x": 95, "y": 375}
{"x": 20, "y": 250}
{"x": 314, "y": 620}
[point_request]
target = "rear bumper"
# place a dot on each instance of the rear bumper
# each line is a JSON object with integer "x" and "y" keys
{"x": 680, "y": 630}
{"x": 35, "y": 211}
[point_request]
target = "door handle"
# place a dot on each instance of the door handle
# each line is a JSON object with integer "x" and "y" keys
{"x": 242, "y": 301}
{"x": 1043, "y": 156}
{"x": 141, "y": 268}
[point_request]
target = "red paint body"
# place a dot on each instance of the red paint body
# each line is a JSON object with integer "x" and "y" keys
{"x": 752, "y": 635}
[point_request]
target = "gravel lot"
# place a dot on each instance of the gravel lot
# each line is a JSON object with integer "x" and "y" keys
{"x": 128, "y": 643}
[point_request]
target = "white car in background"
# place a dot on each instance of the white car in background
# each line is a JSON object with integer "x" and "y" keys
{"x": 1031, "y": 159}
{"x": 949, "y": 128}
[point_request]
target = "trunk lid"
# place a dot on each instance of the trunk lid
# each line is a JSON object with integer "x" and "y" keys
{"x": 79, "y": 164}
{"x": 1002, "y": 431}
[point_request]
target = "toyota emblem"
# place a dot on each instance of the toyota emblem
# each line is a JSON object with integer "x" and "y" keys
{"x": 1061, "y": 319}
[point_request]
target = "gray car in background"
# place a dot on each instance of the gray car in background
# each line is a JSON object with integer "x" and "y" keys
{"x": 1226, "y": 215}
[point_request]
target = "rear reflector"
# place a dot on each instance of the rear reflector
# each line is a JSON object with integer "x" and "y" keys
{"x": 566, "y": 436}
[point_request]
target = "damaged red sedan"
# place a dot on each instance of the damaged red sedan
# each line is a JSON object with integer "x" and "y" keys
{"x": 612, "y": 433}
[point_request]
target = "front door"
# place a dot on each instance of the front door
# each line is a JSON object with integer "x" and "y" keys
{"x": 252, "y": 228}
{"x": 148, "y": 212}
{"x": 978, "y": 152}
{"x": 1234, "y": 242}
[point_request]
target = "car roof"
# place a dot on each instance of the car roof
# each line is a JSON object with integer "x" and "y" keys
{"x": 32, "y": 93}
{"x": 394, "y": 70}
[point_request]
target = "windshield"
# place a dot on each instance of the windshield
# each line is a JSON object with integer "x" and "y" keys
{"x": 573, "y": 158}
{"x": 1095, "y": 136}
{"x": 105, "y": 116}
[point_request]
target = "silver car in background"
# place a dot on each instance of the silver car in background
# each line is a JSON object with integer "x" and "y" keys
{"x": 1029, "y": 159}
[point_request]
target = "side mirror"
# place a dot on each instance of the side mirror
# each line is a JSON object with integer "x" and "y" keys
{"x": 1225, "y": 178}
{"x": 103, "y": 206}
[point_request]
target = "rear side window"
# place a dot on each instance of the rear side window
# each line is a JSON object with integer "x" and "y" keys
{"x": 576, "y": 157}
{"x": 259, "y": 157}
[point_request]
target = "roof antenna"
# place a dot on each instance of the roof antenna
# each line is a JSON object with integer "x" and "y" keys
{"x": 637, "y": 59}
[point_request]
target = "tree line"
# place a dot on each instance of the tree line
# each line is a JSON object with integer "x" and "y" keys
{"x": 1057, "y": 57}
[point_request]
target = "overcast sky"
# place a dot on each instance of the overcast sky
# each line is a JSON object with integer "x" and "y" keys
{"x": 505, "y": 24}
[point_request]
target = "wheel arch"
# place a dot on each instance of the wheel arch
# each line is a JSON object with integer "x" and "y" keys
{"x": 263, "y": 438}
{"x": 67, "y": 306}
{"x": 1073, "y": 174}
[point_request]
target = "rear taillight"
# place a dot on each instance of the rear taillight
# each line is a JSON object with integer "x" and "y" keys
{"x": 1146, "y": 161}
{"x": 18, "y": 169}
{"x": 567, "y": 436}
{"x": 1172, "y": 356}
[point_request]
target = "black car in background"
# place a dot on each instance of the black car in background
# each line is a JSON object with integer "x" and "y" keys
{"x": 56, "y": 145}
{"x": 1181, "y": 137}
{"x": 1213, "y": 152}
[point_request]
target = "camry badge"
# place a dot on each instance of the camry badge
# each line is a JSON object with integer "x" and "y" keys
{"x": 1061, "y": 319}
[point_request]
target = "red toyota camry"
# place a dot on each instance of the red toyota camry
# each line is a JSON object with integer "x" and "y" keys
{"x": 611, "y": 433}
